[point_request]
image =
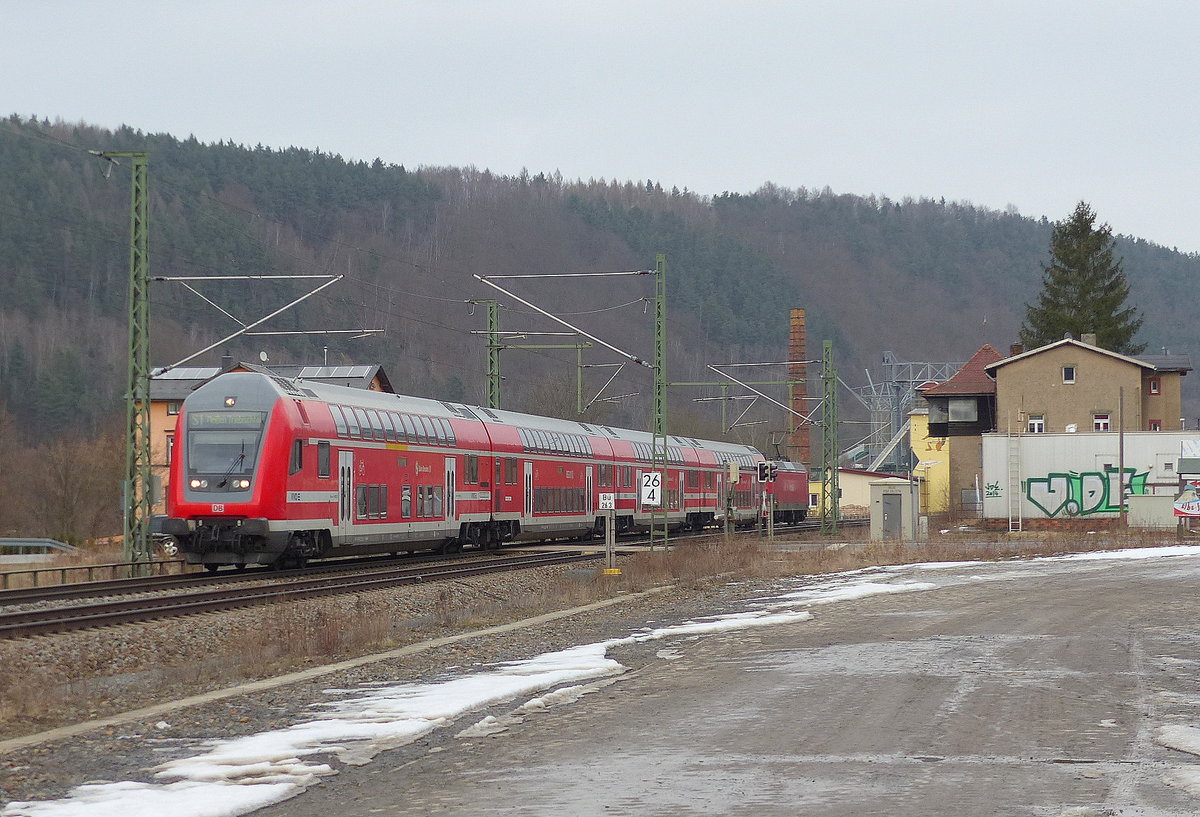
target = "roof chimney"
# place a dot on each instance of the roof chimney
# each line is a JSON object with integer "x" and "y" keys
{"x": 1089, "y": 338}
{"x": 226, "y": 361}
{"x": 1015, "y": 349}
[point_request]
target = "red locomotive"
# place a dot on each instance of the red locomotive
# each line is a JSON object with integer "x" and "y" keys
{"x": 277, "y": 471}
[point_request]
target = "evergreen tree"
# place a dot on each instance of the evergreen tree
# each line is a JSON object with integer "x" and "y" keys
{"x": 1083, "y": 289}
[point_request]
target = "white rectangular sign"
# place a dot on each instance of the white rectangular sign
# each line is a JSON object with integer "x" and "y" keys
{"x": 652, "y": 488}
{"x": 608, "y": 502}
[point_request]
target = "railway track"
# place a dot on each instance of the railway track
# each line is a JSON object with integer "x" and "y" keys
{"x": 152, "y": 584}
{"x": 59, "y": 619}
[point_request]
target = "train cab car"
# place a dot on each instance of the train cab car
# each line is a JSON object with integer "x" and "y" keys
{"x": 276, "y": 471}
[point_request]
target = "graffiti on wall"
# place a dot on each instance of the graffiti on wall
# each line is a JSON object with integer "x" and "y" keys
{"x": 1083, "y": 493}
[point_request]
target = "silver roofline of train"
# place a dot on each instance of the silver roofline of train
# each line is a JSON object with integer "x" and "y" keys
{"x": 300, "y": 389}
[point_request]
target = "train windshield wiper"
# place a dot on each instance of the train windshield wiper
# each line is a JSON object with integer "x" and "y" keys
{"x": 238, "y": 460}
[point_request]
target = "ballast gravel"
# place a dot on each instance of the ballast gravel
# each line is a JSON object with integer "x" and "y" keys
{"x": 118, "y": 669}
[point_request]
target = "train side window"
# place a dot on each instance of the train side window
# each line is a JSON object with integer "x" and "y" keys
{"x": 389, "y": 431}
{"x": 437, "y": 501}
{"x": 406, "y": 501}
{"x": 339, "y": 421}
{"x": 376, "y": 423}
{"x": 383, "y": 502}
{"x": 364, "y": 423}
{"x": 323, "y": 460}
{"x": 709, "y": 480}
{"x": 362, "y": 502}
{"x": 351, "y": 421}
{"x": 693, "y": 479}
{"x": 425, "y": 429}
{"x": 410, "y": 431}
{"x": 376, "y": 501}
{"x": 439, "y": 428}
{"x": 472, "y": 469}
{"x": 510, "y": 470}
{"x": 297, "y": 459}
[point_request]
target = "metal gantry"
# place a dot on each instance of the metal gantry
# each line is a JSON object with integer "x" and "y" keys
{"x": 891, "y": 398}
{"x": 658, "y": 515}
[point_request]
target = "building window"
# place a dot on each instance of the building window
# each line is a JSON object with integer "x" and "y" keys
{"x": 170, "y": 448}
{"x": 1156, "y": 425}
{"x": 1068, "y": 374}
{"x": 173, "y": 406}
{"x": 1155, "y": 386}
{"x": 964, "y": 410}
{"x": 1037, "y": 424}
{"x": 1100, "y": 422}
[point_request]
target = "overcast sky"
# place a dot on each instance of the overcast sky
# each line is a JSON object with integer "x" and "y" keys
{"x": 1035, "y": 104}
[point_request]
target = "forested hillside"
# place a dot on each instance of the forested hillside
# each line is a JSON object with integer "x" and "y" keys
{"x": 930, "y": 280}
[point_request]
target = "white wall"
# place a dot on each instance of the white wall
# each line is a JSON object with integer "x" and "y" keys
{"x": 1074, "y": 475}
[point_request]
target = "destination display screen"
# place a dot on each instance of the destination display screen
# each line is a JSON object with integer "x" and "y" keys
{"x": 226, "y": 419}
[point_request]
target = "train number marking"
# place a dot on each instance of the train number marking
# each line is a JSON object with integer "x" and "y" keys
{"x": 218, "y": 507}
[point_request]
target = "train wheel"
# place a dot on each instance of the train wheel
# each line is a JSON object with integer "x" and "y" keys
{"x": 212, "y": 568}
{"x": 240, "y": 566}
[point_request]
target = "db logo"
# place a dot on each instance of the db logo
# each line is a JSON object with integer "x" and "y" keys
{"x": 218, "y": 507}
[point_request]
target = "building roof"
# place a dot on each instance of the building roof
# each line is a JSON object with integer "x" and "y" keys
{"x": 1169, "y": 363}
{"x": 861, "y": 472}
{"x": 178, "y": 383}
{"x": 358, "y": 377}
{"x": 972, "y": 378}
{"x": 1140, "y": 362}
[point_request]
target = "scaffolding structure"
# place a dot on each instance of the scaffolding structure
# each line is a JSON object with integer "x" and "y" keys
{"x": 889, "y": 401}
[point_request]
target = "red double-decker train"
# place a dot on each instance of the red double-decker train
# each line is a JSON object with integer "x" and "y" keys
{"x": 270, "y": 470}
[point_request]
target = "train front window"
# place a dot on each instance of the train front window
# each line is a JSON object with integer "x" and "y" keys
{"x": 224, "y": 442}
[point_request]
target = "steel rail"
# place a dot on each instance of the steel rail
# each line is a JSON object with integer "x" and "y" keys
{"x": 150, "y": 584}
{"x": 62, "y": 619}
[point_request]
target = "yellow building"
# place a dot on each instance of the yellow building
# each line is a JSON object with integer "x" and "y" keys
{"x": 854, "y": 486}
{"x": 933, "y": 464}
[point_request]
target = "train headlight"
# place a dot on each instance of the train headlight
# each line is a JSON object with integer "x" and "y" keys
{"x": 241, "y": 483}
{"x": 198, "y": 483}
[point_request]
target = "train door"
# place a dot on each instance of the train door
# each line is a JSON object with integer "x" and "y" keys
{"x": 498, "y": 486}
{"x": 451, "y": 485}
{"x": 345, "y": 492}
{"x": 590, "y": 499}
{"x": 528, "y": 490}
{"x": 681, "y": 493}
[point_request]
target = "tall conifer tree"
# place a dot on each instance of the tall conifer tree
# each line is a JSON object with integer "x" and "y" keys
{"x": 1083, "y": 289}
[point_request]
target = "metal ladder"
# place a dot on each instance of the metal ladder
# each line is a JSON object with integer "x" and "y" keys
{"x": 1015, "y": 520}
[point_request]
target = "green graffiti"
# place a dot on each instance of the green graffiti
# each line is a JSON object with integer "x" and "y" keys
{"x": 1083, "y": 494}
